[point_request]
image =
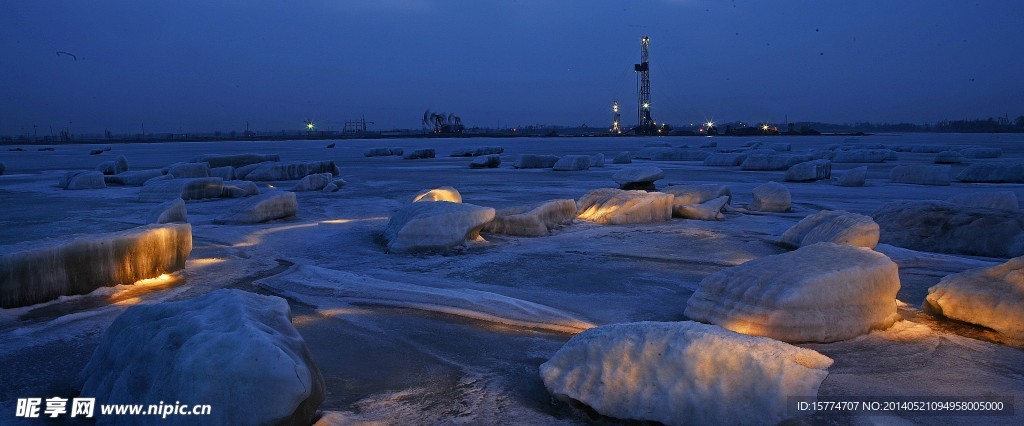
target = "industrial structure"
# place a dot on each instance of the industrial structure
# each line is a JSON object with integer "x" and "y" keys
{"x": 616, "y": 128}
{"x": 442, "y": 123}
{"x": 645, "y": 124}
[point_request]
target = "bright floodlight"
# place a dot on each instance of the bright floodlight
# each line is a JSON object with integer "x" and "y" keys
{"x": 710, "y": 124}
{"x": 764, "y": 127}
{"x": 309, "y": 126}
{"x": 647, "y": 105}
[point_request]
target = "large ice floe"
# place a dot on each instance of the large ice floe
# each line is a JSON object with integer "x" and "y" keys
{"x": 435, "y": 226}
{"x": 186, "y": 189}
{"x": 261, "y": 208}
{"x": 697, "y": 193}
{"x": 991, "y": 297}
{"x": 771, "y": 197}
{"x": 532, "y": 161}
{"x": 189, "y": 170}
{"x": 286, "y": 171}
{"x": 133, "y": 178}
{"x": 708, "y": 210}
{"x": 683, "y": 373}
{"x": 444, "y": 193}
{"x": 234, "y": 350}
{"x": 833, "y": 226}
{"x": 611, "y": 206}
{"x": 570, "y": 163}
{"x": 82, "y": 180}
{"x": 329, "y": 290}
{"x": 939, "y": 226}
{"x": 533, "y": 220}
{"x": 856, "y": 176}
{"x": 37, "y": 271}
{"x": 769, "y": 162}
{"x": 823, "y": 292}
{"x": 810, "y": 171}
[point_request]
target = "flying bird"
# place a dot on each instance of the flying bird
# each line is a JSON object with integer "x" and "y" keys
{"x": 69, "y": 54}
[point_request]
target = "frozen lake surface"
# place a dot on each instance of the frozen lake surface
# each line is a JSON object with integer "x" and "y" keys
{"x": 393, "y": 363}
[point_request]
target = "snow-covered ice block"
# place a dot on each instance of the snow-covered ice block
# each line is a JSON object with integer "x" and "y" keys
{"x": 624, "y": 157}
{"x": 314, "y": 182}
{"x": 234, "y": 350}
{"x": 991, "y": 297}
{"x": 638, "y": 177}
{"x": 771, "y": 197}
{"x": 383, "y": 152}
{"x": 949, "y": 157}
{"x": 235, "y": 160}
{"x": 781, "y": 147}
{"x": 189, "y": 170}
{"x": 226, "y": 172}
{"x": 476, "y": 152}
{"x": 331, "y": 289}
{"x": 417, "y": 154}
{"x": 444, "y": 193}
{"x": 708, "y": 210}
{"x": 36, "y": 271}
{"x": 697, "y": 193}
{"x": 810, "y": 171}
{"x": 833, "y": 226}
{"x": 863, "y": 156}
{"x": 856, "y": 176}
{"x": 168, "y": 212}
{"x": 488, "y": 161}
{"x": 993, "y": 173}
{"x": 617, "y": 207}
{"x": 533, "y": 220}
{"x": 939, "y": 226}
{"x": 981, "y": 152}
{"x": 82, "y": 180}
{"x": 920, "y": 174}
{"x": 1005, "y": 200}
{"x": 186, "y": 189}
{"x": 531, "y": 161}
{"x": 113, "y": 167}
{"x": 261, "y": 208}
{"x": 288, "y": 171}
{"x": 671, "y": 154}
{"x": 770, "y": 162}
{"x": 134, "y": 178}
{"x": 680, "y": 373}
{"x": 823, "y": 292}
{"x": 570, "y": 163}
{"x": 597, "y": 160}
{"x": 728, "y": 159}
{"x": 435, "y": 226}
{"x": 239, "y": 189}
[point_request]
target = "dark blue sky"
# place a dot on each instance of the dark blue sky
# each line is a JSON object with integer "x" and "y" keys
{"x": 212, "y": 65}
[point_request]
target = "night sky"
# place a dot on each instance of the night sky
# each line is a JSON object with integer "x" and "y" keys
{"x": 213, "y": 65}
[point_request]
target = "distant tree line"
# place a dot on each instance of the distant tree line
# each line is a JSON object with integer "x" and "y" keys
{"x": 987, "y": 125}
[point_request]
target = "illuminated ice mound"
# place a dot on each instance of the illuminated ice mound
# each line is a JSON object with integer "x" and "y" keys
{"x": 708, "y": 210}
{"x": 638, "y": 177}
{"x": 771, "y": 197}
{"x": 939, "y": 226}
{"x": 37, "y": 271}
{"x": 234, "y": 350}
{"x": 683, "y": 373}
{"x": 617, "y": 207}
{"x": 329, "y": 289}
{"x": 810, "y": 171}
{"x": 285, "y": 171}
{"x": 991, "y": 297}
{"x": 169, "y": 212}
{"x": 433, "y": 226}
{"x": 261, "y": 208}
{"x": 833, "y": 226}
{"x": 1005, "y": 200}
{"x": 819, "y": 293}
{"x": 920, "y": 174}
{"x": 186, "y": 189}
{"x": 444, "y": 193}
{"x": 533, "y": 220}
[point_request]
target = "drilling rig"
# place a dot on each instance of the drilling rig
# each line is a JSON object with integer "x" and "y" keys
{"x": 645, "y": 125}
{"x": 616, "y": 129}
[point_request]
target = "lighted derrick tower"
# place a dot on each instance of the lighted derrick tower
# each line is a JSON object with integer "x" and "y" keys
{"x": 645, "y": 125}
{"x": 616, "y": 129}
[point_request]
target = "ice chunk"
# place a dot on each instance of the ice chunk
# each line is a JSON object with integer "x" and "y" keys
{"x": 435, "y": 226}
{"x": 863, "y": 156}
{"x": 489, "y": 161}
{"x": 810, "y": 171}
{"x": 769, "y": 162}
{"x": 1005, "y": 200}
{"x": 697, "y": 193}
{"x": 331, "y": 289}
{"x": 993, "y": 173}
{"x": 226, "y": 172}
{"x": 597, "y": 160}
{"x": 287, "y": 171}
{"x": 533, "y": 220}
{"x": 234, "y": 350}
{"x": 572, "y": 163}
{"x": 186, "y": 189}
{"x": 314, "y": 182}
{"x": 638, "y": 177}
{"x": 170, "y": 211}
{"x": 136, "y": 178}
{"x": 920, "y": 174}
{"x": 261, "y": 208}
{"x": 818, "y": 293}
{"x": 991, "y": 297}
{"x": 979, "y": 152}
{"x": 729, "y": 159}
{"x": 781, "y": 147}
{"x": 238, "y": 189}
{"x": 834, "y": 226}
{"x": 708, "y": 210}
{"x": 853, "y": 177}
{"x": 82, "y": 180}
{"x": 417, "y": 154}
{"x": 235, "y": 160}
{"x": 113, "y": 167}
{"x": 36, "y": 271}
{"x": 189, "y": 170}
{"x": 624, "y": 157}
{"x": 943, "y": 227}
{"x": 530, "y": 161}
{"x": 616, "y": 207}
{"x": 680, "y": 373}
{"x": 476, "y": 152}
{"x": 383, "y": 152}
{"x": 444, "y": 193}
{"x": 771, "y": 197}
